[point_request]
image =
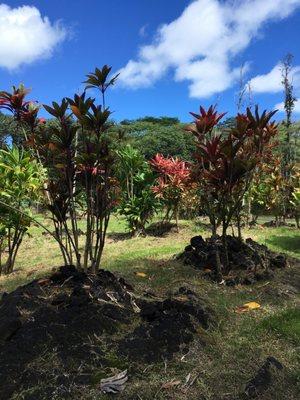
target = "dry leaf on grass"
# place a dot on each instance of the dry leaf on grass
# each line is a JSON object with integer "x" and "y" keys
{"x": 141, "y": 274}
{"x": 171, "y": 384}
{"x": 114, "y": 384}
{"x": 43, "y": 282}
{"x": 248, "y": 307}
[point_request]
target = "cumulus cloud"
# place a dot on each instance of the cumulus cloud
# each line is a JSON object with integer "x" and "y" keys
{"x": 272, "y": 81}
{"x": 26, "y": 36}
{"x": 200, "y": 44}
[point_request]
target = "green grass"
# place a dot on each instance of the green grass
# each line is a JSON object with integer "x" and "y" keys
{"x": 225, "y": 357}
{"x": 285, "y": 324}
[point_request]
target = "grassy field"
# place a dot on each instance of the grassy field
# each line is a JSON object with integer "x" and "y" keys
{"x": 224, "y": 358}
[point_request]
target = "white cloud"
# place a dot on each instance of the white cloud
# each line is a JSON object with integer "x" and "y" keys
{"x": 280, "y": 107}
{"x": 200, "y": 44}
{"x": 272, "y": 81}
{"x": 26, "y": 36}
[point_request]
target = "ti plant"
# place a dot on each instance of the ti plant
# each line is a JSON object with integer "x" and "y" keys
{"x": 25, "y": 112}
{"x": 76, "y": 153}
{"x": 138, "y": 203}
{"x": 226, "y": 160}
{"x": 174, "y": 179}
{"x": 21, "y": 179}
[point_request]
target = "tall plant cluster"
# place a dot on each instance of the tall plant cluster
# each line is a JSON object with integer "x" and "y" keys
{"x": 226, "y": 161}
{"x": 76, "y": 153}
{"x": 138, "y": 204}
{"x": 21, "y": 179}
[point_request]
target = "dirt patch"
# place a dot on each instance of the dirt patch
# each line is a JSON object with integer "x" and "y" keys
{"x": 248, "y": 261}
{"x": 57, "y": 333}
{"x": 166, "y": 326}
{"x": 263, "y": 378}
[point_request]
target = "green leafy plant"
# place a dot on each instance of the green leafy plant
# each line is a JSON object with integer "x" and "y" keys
{"x": 21, "y": 179}
{"x": 138, "y": 203}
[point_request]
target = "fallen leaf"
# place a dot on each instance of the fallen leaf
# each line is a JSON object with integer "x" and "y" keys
{"x": 187, "y": 379}
{"x": 252, "y": 305}
{"x": 207, "y": 270}
{"x": 141, "y": 274}
{"x": 169, "y": 385}
{"x": 247, "y": 307}
{"x": 182, "y": 298}
{"x": 43, "y": 282}
{"x": 114, "y": 384}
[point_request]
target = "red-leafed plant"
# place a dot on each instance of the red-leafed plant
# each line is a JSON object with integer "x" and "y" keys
{"x": 225, "y": 161}
{"x": 173, "y": 180}
{"x": 25, "y": 112}
{"x": 79, "y": 160}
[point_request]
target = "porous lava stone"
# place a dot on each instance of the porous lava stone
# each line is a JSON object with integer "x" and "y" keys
{"x": 57, "y": 332}
{"x": 248, "y": 261}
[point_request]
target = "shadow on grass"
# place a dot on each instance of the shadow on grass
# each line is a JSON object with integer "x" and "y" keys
{"x": 156, "y": 229}
{"x": 119, "y": 236}
{"x": 161, "y": 229}
{"x": 287, "y": 243}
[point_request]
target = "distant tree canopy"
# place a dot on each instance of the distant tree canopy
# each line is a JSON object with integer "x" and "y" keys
{"x": 152, "y": 135}
{"x": 164, "y": 121}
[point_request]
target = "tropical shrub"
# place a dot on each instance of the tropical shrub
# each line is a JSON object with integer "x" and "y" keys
{"x": 138, "y": 203}
{"x": 174, "y": 179}
{"x": 21, "y": 179}
{"x": 80, "y": 165}
{"x": 189, "y": 203}
{"x": 226, "y": 160}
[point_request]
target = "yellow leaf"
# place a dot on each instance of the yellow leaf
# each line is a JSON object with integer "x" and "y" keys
{"x": 247, "y": 307}
{"x": 141, "y": 274}
{"x": 252, "y": 305}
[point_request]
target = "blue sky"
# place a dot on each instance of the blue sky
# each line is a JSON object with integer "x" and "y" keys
{"x": 173, "y": 55}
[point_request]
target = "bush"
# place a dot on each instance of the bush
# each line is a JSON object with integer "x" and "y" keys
{"x": 21, "y": 180}
{"x": 138, "y": 203}
{"x": 79, "y": 161}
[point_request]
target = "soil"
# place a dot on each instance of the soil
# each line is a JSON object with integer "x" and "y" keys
{"x": 248, "y": 261}
{"x": 263, "y": 378}
{"x": 60, "y": 333}
{"x": 166, "y": 326}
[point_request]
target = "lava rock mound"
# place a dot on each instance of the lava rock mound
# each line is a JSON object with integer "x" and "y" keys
{"x": 58, "y": 318}
{"x": 248, "y": 261}
{"x": 166, "y": 326}
{"x": 57, "y": 333}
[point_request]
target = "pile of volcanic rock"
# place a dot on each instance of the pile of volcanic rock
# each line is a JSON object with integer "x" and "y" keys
{"x": 57, "y": 333}
{"x": 246, "y": 261}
